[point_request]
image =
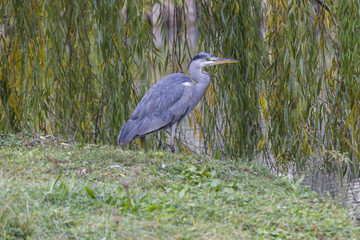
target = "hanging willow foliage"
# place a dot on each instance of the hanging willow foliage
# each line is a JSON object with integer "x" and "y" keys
{"x": 79, "y": 68}
{"x": 71, "y": 67}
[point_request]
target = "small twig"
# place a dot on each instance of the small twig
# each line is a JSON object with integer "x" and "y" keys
{"x": 327, "y": 8}
{"x": 324, "y": 5}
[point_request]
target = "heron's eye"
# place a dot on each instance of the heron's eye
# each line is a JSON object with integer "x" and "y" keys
{"x": 207, "y": 59}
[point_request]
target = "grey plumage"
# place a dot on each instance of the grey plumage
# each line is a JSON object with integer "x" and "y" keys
{"x": 164, "y": 104}
{"x": 167, "y": 102}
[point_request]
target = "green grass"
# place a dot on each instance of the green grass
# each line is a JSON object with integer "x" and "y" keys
{"x": 52, "y": 190}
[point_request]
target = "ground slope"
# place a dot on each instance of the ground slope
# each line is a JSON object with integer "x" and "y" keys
{"x": 51, "y": 189}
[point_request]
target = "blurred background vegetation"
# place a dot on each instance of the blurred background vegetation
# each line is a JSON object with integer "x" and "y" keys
{"x": 78, "y": 68}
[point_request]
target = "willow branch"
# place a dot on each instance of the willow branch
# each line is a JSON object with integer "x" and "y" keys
{"x": 327, "y": 8}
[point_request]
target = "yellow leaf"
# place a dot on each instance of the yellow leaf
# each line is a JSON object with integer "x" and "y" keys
{"x": 194, "y": 129}
{"x": 352, "y": 147}
{"x": 42, "y": 55}
{"x": 16, "y": 110}
{"x": 211, "y": 99}
{"x": 31, "y": 54}
{"x": 65, "y": 144}
{"x": 260, "y": 145}
{"x": 203, "y": 170}
{"x": 237, "y": 9}
{"x": 217, "y": 139}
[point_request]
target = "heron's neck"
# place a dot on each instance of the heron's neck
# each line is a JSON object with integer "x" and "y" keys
{"x": 199, "y": 76}
{"x": 202, "y": 80}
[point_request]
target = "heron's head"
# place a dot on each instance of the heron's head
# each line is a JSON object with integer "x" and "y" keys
{"x": 201, "y": 60}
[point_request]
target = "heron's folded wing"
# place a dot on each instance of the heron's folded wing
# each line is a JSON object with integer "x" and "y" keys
{"x": 165, "y": 103}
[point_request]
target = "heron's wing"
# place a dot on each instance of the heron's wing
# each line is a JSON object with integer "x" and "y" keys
{"x": 165, "y": 103}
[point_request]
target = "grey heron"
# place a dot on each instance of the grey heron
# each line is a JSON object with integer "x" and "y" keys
{"x": 167, "y": 102}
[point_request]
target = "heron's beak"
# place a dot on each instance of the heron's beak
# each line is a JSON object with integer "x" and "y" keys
{"x": 223, "y": 60}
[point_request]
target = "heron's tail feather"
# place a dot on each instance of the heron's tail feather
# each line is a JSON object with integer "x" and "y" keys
{"x": 127, "y": 133}
{"x": 141, "y": 127}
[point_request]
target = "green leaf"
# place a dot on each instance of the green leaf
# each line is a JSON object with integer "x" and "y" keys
{"x": 55, "y": 182}
{"x": 90, "y": 193}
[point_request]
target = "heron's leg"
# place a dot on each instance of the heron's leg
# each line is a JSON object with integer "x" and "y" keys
{"x": 172, "y": 138}
{"x": 143, "y": 144}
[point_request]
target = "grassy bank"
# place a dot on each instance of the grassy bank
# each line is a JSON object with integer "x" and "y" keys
{"x": 51, "y": 189}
